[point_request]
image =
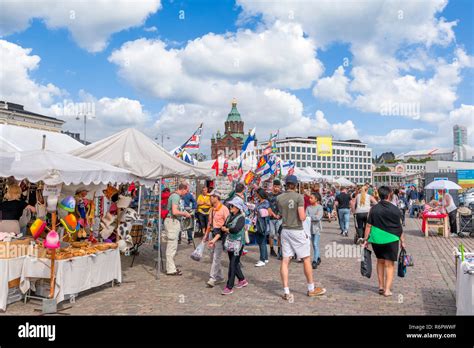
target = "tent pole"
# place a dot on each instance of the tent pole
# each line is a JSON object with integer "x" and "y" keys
{"x": 158, "y": 261}
{"x": 139, "y": 198}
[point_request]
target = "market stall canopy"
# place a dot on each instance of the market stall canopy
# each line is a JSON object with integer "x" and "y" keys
{"x": 344, "y": 182}
{"x": 15, "y": 138}
{"x": 313, "y": 174}
{"x": 302, "y": 175}
{"x": 55, "y": 168}
{"x": 442, "y": 185}
{"x": 134, "y": 151}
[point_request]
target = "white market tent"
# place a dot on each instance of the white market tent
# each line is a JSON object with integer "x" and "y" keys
{"x": 134, "y": 151}
{"x": 341, "y": 181}
{"x": 313, "y": 174}
{"x": 15, "y": 138}
{"x": 55, "y": 168}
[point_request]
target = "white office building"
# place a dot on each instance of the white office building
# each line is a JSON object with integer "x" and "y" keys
{"x": 350, "y": 158}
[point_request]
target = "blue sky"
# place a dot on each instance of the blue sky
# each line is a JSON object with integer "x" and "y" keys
{"x": 76, "y": 66}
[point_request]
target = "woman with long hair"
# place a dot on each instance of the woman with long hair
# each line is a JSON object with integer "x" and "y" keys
{"x": 361, "y": 206}
{"x": 12, "y": 209}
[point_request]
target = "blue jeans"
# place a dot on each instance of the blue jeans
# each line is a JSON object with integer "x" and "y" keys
{"x": 262, "y": 246}
{"x": 315, "y": 241}
{"x": 344, "y": 216}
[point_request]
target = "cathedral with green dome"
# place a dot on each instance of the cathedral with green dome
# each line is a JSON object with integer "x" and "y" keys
{"x": 229, "y": 144}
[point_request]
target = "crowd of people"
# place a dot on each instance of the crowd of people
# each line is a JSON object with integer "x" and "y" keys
{"x": 287, "y": 225}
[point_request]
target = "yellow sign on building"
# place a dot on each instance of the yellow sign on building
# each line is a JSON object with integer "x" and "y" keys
{"x": 324, "y": 145}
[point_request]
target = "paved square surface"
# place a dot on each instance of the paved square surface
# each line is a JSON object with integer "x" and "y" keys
{"x": 428, "y": 288}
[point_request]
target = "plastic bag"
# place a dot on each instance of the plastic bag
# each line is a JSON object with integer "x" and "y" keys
{"x": 198, "y": 252}
{"x": 366, "y": 264}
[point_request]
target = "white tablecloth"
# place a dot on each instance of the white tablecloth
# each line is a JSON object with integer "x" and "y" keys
{"x": 76, "y": 274}
{"x": 465, "y": 289}
{"x": 9, "y": 269}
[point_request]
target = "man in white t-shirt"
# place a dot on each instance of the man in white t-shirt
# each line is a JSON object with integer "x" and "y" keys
{"x": 451, "y": 209}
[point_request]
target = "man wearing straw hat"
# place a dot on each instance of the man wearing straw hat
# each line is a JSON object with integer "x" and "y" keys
{"x": 173, "y": 228}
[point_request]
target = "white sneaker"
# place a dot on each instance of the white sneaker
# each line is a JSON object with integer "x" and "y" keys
{"x": 260, "y": 264}
{"x": 266, "y": 261}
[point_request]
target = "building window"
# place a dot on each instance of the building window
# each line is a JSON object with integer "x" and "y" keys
{"x": 303, "y": 157}
{"x": 314, "y": 157}
{"x": 314, "y": 150}
{"x": 298, "y": 149}
{"x": 298, "y": 156}
{"x": 292, "y": 156}
{"x": 308, "y": 164}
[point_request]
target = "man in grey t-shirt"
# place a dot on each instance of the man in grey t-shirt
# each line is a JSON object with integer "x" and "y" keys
{"x": 294, "y": 240}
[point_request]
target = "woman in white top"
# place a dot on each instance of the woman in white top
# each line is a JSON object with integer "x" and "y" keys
{"x": 361, "y": 207}
{"x": 451, "y": 209}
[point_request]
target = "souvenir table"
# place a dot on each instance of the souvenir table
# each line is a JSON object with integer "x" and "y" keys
{"x": 10, "y": 269}
{"x": 73, "y": 275}
{"x": 425, "y": 226}
{"x": 465, "y": 284}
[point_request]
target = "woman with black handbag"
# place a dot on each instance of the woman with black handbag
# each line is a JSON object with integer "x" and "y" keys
{"x": 385, "y": 232}
{"x": 234, "y": 234}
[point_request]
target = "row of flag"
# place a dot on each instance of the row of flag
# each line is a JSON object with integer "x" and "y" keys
{"x": 192, "y": 143}
{"x": 268, "y": 165}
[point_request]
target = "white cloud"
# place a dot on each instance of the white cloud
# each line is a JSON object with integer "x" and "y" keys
{"x": 17, "y": 86}
{"x": 401, "y": 139}
{"x": 388, "y": 41}
{"x": 333, "y": 88}
{"x": 90, "y": 22}
{"x": 279, "y": 57}
{"x": 387, "y": 23}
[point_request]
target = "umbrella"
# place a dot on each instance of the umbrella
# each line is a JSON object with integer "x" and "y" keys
{"x": 442, "y": 185}
{"x": 54, "y": 168}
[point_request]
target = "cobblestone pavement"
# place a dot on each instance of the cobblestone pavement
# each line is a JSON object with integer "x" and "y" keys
{"x": 428, "y": 288}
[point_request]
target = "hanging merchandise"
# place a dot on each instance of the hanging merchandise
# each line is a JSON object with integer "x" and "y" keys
{"x": 68, "y": 204}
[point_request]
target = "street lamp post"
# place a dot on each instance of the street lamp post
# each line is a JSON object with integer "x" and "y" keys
{"x": 85, "y": 124}
{"x": 162, "y": 138}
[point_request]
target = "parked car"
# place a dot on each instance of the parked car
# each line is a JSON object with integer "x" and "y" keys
{"x": 467, "y": 197}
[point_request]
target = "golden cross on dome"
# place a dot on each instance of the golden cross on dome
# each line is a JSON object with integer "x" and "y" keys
{"x": 234, "y": 102}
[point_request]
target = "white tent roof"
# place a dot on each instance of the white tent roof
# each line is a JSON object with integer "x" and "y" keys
{"x": 55, "y": 168}
{"x": 16, "y": 138}
{"x": 134, "y": 151}
{"x": 313, "y": 174}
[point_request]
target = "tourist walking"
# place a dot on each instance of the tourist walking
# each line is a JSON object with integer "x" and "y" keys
{"x": 384, "y": 231}
{"x": 343, "y": 200}
{"x": 203, "y": 208}
{"x": 274, "y": 223}
{"x": 361, "y": 207}
{"x": 315, "y": 212}
{"x": 217, "y": 217}
{"x": 234, "y": 240}
{"x": 262, "y": 213}
{"x": 173, "y": 227}
{"x": 294, "y": 240}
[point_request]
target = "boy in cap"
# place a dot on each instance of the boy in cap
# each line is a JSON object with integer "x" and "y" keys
{"x": 294, "y": 240}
